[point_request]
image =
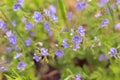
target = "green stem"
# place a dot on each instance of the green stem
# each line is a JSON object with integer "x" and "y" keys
{"x": 61, "y": 6}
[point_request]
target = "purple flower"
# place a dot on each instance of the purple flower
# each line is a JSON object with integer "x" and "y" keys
{"x": 52, "y": 9}
{"x": 113, "y": 52}
{"x": 28, "y": 26}
{"x": 112, "y": 6}
{"x": 81, "y": 30}
{"x": 20, "y": 1}
{"x": 9, "y": 49}
{"x": 102, "y": 57}
{"x": 28, "y": 41}
{"x": 54, "y": 18}
{"x": 44, "y": 51}
{"x": 50, "y": 33}
{"x": 118, "y": 2}
{"x": 12, "y": 39}
{"x": 9, "y": 33}
{"x": 105, "y": 22}
{"x": 69, "y": 16}
{"x": 47, "y": 26}
{"x": 80, "y": 6}
{"x": 37, "y": 16}
{"x": 47, "y": 12}
{"x": 31, "y": 33}
{"x": 3, "y": 68}
{"x": 117, "y": 26}
{"x": 77, "y": 39}
{"x": 102, "y": 2}
{"x": 21, "y": 65}
{"x": 65, "y": 44}
{"x": 17, "y": 55}
{"x": 76, "y": 46}
{"x": 37, "y": 58}
{"x": 59, "y": 53}
{"x": 78, "y": 77}
{"x": 3, "y": 25}
{"x": 16, "y": 7}
{"x": 13, "y": 23}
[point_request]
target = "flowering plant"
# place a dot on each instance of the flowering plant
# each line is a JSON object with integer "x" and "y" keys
{"x": 59, "y": 39}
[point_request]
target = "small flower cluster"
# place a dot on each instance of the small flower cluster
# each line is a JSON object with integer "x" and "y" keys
{"x": 105, "y": 22}
{"x": 113, "y": 52}
{"x": 12, "y": 38}
{"x": 3, "y": 25}
{"x": 81, "y": 5}
{"x": 17, "y": 6}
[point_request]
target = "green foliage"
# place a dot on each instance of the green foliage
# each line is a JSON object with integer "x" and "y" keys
{"x": 85, "y": 61}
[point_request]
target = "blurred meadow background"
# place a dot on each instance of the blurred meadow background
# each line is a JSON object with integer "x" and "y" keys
{"x": 59, "y": 39}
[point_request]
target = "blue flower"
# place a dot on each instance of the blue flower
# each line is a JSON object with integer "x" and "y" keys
{"x": 117, "y": 26}
{"x": 37, "y": 16}
{"x": 47, "y": 26}
{"x": 102, "y": 57}
{"x": 76, "y": 46}
{"x": 37, "y": 58}
{"x": 52, "y": 9}
{"x": 3, "y": 68}
{"x": 59, "y": 53}
{"x": 13, "y": 23}
{"x": 12, "y": 39}
{"x": 16, "y": 7}
{"x": 28, "y": 41}
{"x": 76, "y": 39}
{"x": 44, "y": 51}
{"x": 3, "y": 25}
{"x": 105, "y": 22}
{"x": 113, "y": 52}
{"x": 65, "y": 44}
{"x": 20, "y": 1}
{"x": 118, "y": 2}
{"x": 54, "y": 18}
{"x": 81, "y": 30}
{"x": 112, "y": 6}
{"x": 78, "y": 77}
{"x": 69, "y": 16}
{"x": 28, "y": 26}
{"x": 80, "y": 6}
{"x": 21, "y": 65}
{"x": 50, "y": 33}
{"x": 102, "y": 2}
{"x": 9, "y": 49}
{"x": 17, "y": 55}
{"x": 9, "y": 33}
